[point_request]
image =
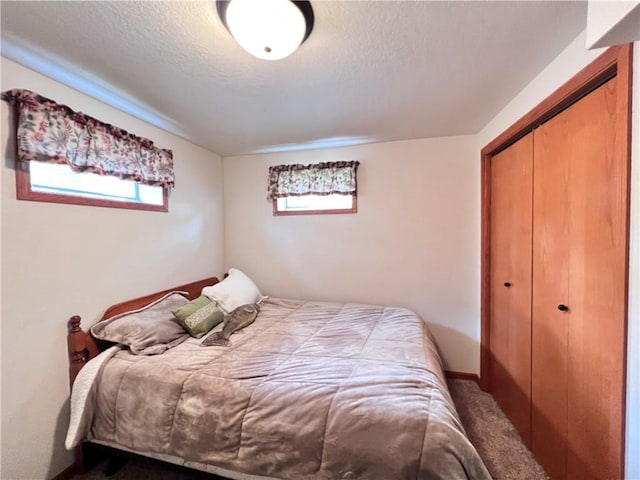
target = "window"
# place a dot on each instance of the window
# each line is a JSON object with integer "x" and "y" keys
{"x": 68, "y": 142}
{"x": 327, "y": 187}
{"x": 315, "y": 204}
{"x": 53, "y": 182}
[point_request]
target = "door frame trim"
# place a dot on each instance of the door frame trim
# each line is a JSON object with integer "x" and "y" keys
{"x": 615, "y": 61}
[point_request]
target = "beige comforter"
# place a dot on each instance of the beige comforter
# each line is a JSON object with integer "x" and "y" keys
{"x": 309, "y": 391}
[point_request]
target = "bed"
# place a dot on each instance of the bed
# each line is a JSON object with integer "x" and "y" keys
{"x": 309, "y": 390}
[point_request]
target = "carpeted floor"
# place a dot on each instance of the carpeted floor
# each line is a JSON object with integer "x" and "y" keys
{"x": 492, "y": 434}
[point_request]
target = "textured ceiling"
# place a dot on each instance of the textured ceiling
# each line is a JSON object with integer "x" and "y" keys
{"x": 369, "y": 72}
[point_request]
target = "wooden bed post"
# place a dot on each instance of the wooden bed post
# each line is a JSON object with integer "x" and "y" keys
{"x": 79, "y": 353}
{"x": 79, "y": 346}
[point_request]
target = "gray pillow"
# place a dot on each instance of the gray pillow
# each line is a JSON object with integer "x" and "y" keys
{"x": 147, "y": 331}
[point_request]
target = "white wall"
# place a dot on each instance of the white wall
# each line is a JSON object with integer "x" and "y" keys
{"x": 612, "y": 22}
{"x": 568, "y": 63}
{"x": 573, "y": 59}
{"x": 414, "y": 241}
{"x": 60, "y": 260}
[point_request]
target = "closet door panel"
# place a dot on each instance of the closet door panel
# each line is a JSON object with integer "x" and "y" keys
{"x": 597, "y": 213}
{"x": 510, "y": 317}
{"x": 580, "y": 222}
{"x": 550, "y": 331}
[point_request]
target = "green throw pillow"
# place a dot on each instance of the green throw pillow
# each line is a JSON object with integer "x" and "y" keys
{"x": 199, "y": 316}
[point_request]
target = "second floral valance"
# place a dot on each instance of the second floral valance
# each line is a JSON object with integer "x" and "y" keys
{"x": 316, "y": 179}
{"x": 50, "y": 132}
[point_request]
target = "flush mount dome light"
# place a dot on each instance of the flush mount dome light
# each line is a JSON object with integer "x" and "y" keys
{"x": 268, "y": 29}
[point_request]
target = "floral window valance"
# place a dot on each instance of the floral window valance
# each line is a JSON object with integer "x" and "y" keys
{"x": 316, "y": 179}
{"x": 50, "y": 132}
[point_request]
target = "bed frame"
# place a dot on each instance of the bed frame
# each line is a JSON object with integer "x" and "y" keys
{"x": 82, "y": 346}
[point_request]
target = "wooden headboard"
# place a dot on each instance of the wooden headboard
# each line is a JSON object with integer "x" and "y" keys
{"x": 82, "y": 346}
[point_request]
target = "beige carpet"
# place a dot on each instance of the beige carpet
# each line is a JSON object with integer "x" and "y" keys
{"x": 493, "y": 435}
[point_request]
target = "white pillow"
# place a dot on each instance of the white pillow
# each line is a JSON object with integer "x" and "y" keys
{"x": 235, "y": 290}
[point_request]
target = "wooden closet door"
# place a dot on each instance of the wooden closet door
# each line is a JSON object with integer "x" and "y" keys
{"x": 579, "y": 261}
{"x": 510, "y": 302}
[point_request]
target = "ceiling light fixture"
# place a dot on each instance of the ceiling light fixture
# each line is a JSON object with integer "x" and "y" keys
{"x": 268, "y": 29}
